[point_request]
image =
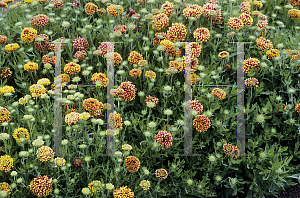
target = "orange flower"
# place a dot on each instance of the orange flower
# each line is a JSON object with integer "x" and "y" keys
{"x": 132, "y": 163}
{"x": 202, "y": 123}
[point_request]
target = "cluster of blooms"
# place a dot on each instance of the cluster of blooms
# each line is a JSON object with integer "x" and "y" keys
{"x": 93, "y": 106}
{"x": 294, "y": 14}
{"x": 11, "y": 47}
{"x": 132, "y": 163}
{"x": 251, "y": 82}
{"x": 45, "y": 153}
{"x": 123, "y": 192}
{"x": 47, "y": 59}
{"x": 37, "y": 90}
{"x": 126, "y": 91}
{"x": 6, "y": 73}
{"x": 39, "y": 20}
{"x": 115, "y": 121}
{"x": 297, "y": 108}
{"x": 5, "y": 186}
{"x": 3, "y": 39}
{"x": 95, "y": 186}
{"x": 21, "y": 133}
{"x": 192, "y": 11}
{"x": 245, "y": 7}
{"x": 6, "y": 163}
{"x": 263, "y": 43}
{"x": 135, "y": 73}
{"x": 164, "y": 138}
{"x": 57, "y": 3}
{"x": 28, "y": 35}
{"x": 160, "y": 21}
{"x": 150, "y": 74}
{"x": 41, "y": 186}
{"x": 100, "y": 77}
{"x": 250, "y": 63}
{"x": 80, "y": 44}
{"x": 168, "y": 8}
{"x": 72, "y": 118}
{"x": 246, "y": 19}
{"x": 161, "y": 173}
{"x": 201, "y": 34}
{"x": 4, "y": 115}
{"x": 177, "y": 32}
{"x": 272, "y": 53}
{"x": 152, "y": 99}
{"x": 72, "y": 68}
{"x": 230, "y": 149}
{"x": 90, "y": 8}
{"x": 170, "y": 48}
{"x": 201, "y": 123}
{"x": 7, "y": 89}
{"x": 218, "y": 93}
{"x": 135, "y": 57}
{"x": 113, "y": 11}
{"x": 223, "y": 55}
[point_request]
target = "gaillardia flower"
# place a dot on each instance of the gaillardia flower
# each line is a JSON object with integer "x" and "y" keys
{"x": 6, "y": 163}
{"x": 164, "y": 138}
{"x": 28, "y": 35}
{"x": 123, "y": 192}
{"x": 21, "y": 132}
{"x": 218, "y": 93}
{"x": 45, "y": 153}
{"x": 201, "y": 123}
{"x": 95, "y": 186}
{"x": 132, "y": 163}
{"x": 41, "y": 186}
{"x": 161, "y": 173}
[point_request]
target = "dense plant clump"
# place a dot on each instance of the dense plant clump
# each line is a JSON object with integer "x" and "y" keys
{"x": 62, "y": 61}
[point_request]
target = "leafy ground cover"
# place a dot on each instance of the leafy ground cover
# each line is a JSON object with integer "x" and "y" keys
{"x": 149, "y": 76}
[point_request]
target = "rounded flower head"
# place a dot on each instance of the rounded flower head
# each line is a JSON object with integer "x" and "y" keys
{"x": 31, "y": 66}
{"x": 28, "y": 35}
{"x": 223, "y": 55}
{"x": 195, "y": 49}
{"x": 57, "y": 3}
{"x": 150, "y": 74}
{"x": 92, "y": 104}
{"x": 164, "y": 138}
{"x": 42, "y": 45}
{"x": 201, "y": 123}
{"x": 11, "y": 47}
{"x": 45, "y": 153}
{"x": 260, "y": 118}
{"x": 263, "y": 43}
{"x": 192, "y": 11}
{"x": 117, "y": 58}
{"x": 59, "y": 162}
{"x": 38, "y": 143}
{"x": 272, "y": 53}
{"x": 152, "y": 99}
{"x": 6, "y": 73}
{"x": 123, "y": 192}
{"x": 251, "y": 82}
{"x": 126, "y": 147}
{"x": 6, "y": 163}
{"x": 176, "y": 64}
{"x": 297, "y": 108}
{"x": 145, "y": 184}
{"x": 196, "y": 105}
{"x": 158, "y": 38}
{"x": 7, "y": 89}
{"x": 21, "y": 133}
{"x": 77, "y": 163}
{"x": 100, "y": 77}
{"x": 3, "y": 39}
{"x": 80, "y": 54}
{"x": 72, "y": 118}
{"x": 37, "y": 90}
{"x": 168, "y": 8}
{"x": 132, "y": 163}
{"x": 4, "y": 136}
{"x": 43, "y": 81}
{"x": 115, "y": 121}
{"x": 201, "y": 34}
{"x": 80, "y": 44}
{"x": 135, "y": 73}
{"x": 41, "y": 186}
{"x": 4, "y": 115}
{"x": 246, "y": 19}
{"x": 258, "y": 4}
{"x": 47, "y": 59}
{"x": 39, "y": 20}
{"x": 160, "y": 21}
{"x": 72, "y": 68}
{"x": 126, "y": 91}
{"x": 176, "y": 32}
{"x": 105, "y": 47}
{"x": 235, "y": 23}
{"x": 5, "y": 187}
{"x": 262, "y": 24}
{"x": 113, "y": 11}
{"x": 135, "y": 57}
{"x": 95, "y": 186}
{"x": 250, "y": 63}
{"x": 218, "y": 93}
{"x": 161, "y": 173}
{"x": 294, "y": 14}
{"x": 245, "y": 7}
{"x": 90, "y": 8}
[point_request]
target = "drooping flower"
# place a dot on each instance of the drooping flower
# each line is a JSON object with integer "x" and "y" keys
{"x": 135, "y": 57}
{"x": 251, "y": 82}
{"x": 113, "y": 11}
{"x": 41, "y": 186}
{"x": 90, "y": 8}
{"x": 201, "y": 34}
{"x": 39, "y": 20}
{"x": 72, "y": 118}
{"x": 126, "y": 91}
{"x": 201, "y": 123}
{"x": 21, "y": 133}
{"x": 150, "y": 74}
{"x": 123, "y": 192}
{"x": 95, "y": 186}
{"x": 164, "y": 138}
{"x": 250, "y": 63}
{"x": 5, "y": 187}
{"x": 263, "y": 43}
{"x": 45, "y": 153}
{"x": 37, "y": 90}
{"x": 6, "y": 163}
{"x": 80, "y": 44}
{"x": 115, "y": 121}
{"x": 145, "y": 184}
{"x": 100, "y": 77}
{"x": 135, "y": 73}
{"x": 31, "y": 66}
{"x": 192, "y": 11}
{"x": 132, "y": 163}
{"x": 28, "y": 35}
{"x": 168, "y": 8}
{"x": 160, "y": 21}
{"x": 152, "y": 99}
{"x": 72, "y": 68}
{"x": 11, "y": 47}
{"x": 223, "y": 55}
{"x": 161, "y": 173}
{"x": 235, "y": 23}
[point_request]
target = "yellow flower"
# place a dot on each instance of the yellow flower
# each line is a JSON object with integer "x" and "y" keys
{"x": 6, "y": 163}
{"x": 6, "y": 187}
{"x": 31, "y": 66}
{"x": 7, "y": 89}
{"x": 43, "y": 81}
{"x": 150, "y": 74}
{"x": 95, "y": 186}
{"x": 59, "y": 161}
{"x": 28, "y": 35}
{"x": 21, "y": 132}
{"x": 11, "y": 47}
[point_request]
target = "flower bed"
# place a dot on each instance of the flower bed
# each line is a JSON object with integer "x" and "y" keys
{"x": 149, "y": 44}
